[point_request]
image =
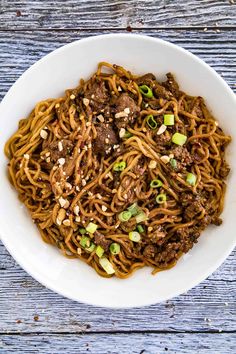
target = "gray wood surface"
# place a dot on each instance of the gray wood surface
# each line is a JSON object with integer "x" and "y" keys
{"x": 102, "y": 14}
{"x": 33, "y": 319}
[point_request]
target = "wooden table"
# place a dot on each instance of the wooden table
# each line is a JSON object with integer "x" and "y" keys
{"x": 36, "y": 320}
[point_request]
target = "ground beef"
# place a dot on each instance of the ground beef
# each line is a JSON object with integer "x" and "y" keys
{"x": 161, "y": 92}
{"x": 157, "y": 235}
{"x": 168, "y": 254}
{"x": 105, "y": 140}
{"x": 163, "y": 139}
{"x": 192, "y": 205}
{"x": 224, "y": 170}
{"x": 101, "y": 240}
{"x": 147, "y": 79}
{"x": 98, "y": 95}
{"x": 216, "y": 220}
{"x": 125, "y": 101}
{"x": 55, "y": 154}
{"x": 192, "y": 210}
{"x": 149, "y": 251}
{"x": 129, "y": 225}
{"x": 182, "y": 156}
{"x": 171, "y": 85}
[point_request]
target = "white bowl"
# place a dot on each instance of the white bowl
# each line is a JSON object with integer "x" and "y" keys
{"x": 49, "y": 77}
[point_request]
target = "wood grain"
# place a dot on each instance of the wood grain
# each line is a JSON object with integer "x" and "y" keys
{"x": 120, "y": 343}
{"x": 208, "y": 307}
{"x": 33, "y": 319}
{"x": 102, "y": 14}
{"x": 21, "y": 49}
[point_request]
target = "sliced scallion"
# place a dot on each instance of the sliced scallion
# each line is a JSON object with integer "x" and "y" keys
{"x": 82, "y": 231}
{"x": 141, "y": 217}
{"x": 133, "y": 209}
{"x": 127, "y": 135}
{"x": 191, "y": 179}
{"x": 146, "y": 91}
{"x": 169, "y": 119}
{"x": 173, "y": 163}
{"x": 140, "y": 229}
{"x": 156, "y": 183}
{"x": 115, "y": 248}
{"x": 151, "y": 122}
{"x": 91, "y": 248}
{"x": 106, "y": 265}
{"x": 161, "y": 198}
{"x": 179, "y": 139}
{"x": 91, "y": 228}
{"x": 134, "y": 236}
{"x": 119, "y": 166}
{"x": 124, "y": 216}
{"x": 85, "y": 241}
{"x": 99, "y": 251}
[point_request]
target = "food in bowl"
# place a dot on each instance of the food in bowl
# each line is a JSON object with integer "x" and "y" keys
{"x": 122, "y": 172}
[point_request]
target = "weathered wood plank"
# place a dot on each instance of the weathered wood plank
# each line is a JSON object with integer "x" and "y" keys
{"x": 19, "y": 50}
{"x": 120, "y": 343}
{"x": 22, "y": 298}
{"x": 208, "y": 307}
{"x": 98, "y": 14}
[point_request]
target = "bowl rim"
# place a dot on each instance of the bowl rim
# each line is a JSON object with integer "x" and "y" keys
{"x": 49, "y": 283}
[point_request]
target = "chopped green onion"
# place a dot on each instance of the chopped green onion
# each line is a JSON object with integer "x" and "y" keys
{"x": 191, "y": 179}
{"x": 140, "y": 229}
{"x": 151, "y": 122}
{"x": 169, "y": 119}
{"x": 156, "y": 183}
{"x": 99, "y": 251}
{"x": 134, "y": 236}
{"x": 85, "y": 241}
{"x": 133, "y": 209}
{"x": 146, "y": 91}
{"x": 82, "y": 231}
{"x": 91, "y": 248}
{"x": 173, "y": 163}
{"x": 161, "y": 198}
{"x": 119, "y": 166}
{"x": 179, "y": 139}
{"x": 106, "y": 265}
{"x": 115, "y": 248}
{"x": 125, "y": 216}
{"x": 141, "y": 217}
{"x": 91, "y": 228}
{"x": 127, "y": 135}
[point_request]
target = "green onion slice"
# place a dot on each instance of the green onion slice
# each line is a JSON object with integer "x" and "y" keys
{"x": 140, "y": 229}
{"x": 146, "y": 91}
{"x": 169, "y": 119}
{"x": 127, "y": 135}
{"x": 119, "y": 166}
{"x": 141, "y": 217}
{"x": 179, "y": 139}
{"x": 82, "y": 231}
{"x": 161, "y": 198}
{"x": 173, "y": 163}
{"x": 125, "y": 216}
{"x": 91, "y": 228}
{"x": 134, "y": 236}
{"x": 156, "y": 183}
{"x": 99, "y": 251}
{"x": 151, "y": 122}
{"x": 115, "y": 248}
{"x": 191, "y": 179}
{"x": 106, "y": 265}
{"x": 133, "y": 209}
{"x": 91, "y": 248}
{"x": 85, "y": 241}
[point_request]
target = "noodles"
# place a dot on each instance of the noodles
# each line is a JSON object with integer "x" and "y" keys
{"x": 106, "y": 181}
